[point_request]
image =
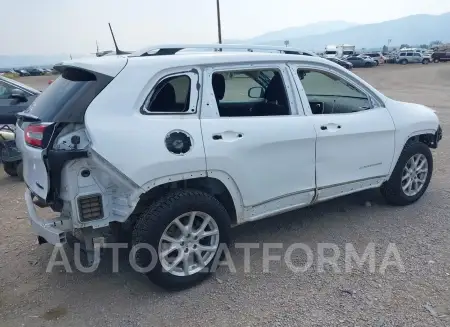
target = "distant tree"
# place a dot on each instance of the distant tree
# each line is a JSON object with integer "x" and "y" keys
{"x": 435, "y": 43}
{"x": 286, "y": 43}
{"x": 423, "y": 46}
{"x": 385, "y": 49}
{"x": 404, "y": 46}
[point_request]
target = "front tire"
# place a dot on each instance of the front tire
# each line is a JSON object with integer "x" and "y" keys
{"x": 425, "y": 61}
{"x": 404, "y": 62}
{"x": 186, "y": 229}
{"x": 436, "y": 60}
{"x": 411, "y": 175}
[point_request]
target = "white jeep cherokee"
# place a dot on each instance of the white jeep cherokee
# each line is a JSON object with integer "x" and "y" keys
{"x": 173, "y": 149}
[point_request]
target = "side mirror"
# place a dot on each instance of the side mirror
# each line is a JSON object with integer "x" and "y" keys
{"x": 18, "y": 95}
{"x": 256, "y": 92}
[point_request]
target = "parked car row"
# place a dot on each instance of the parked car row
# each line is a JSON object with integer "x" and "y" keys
{"x": 412, "y": 55}
{"x": 362, "y": 60}
{"x": 403, "y": 57}
{"x": 30, "y": 72}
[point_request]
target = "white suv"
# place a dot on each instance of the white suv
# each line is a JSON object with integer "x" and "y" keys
{"x": 411, "y": 57}
{"x": 173, "y": 149}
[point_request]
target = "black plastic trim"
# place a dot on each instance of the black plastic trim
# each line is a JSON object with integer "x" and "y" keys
{"x": 56, "y": 159}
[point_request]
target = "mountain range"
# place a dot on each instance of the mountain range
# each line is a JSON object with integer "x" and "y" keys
{"x": 427, "y": 28}
{"x": 315, "y": 37}
{"x": 297, "y": 32}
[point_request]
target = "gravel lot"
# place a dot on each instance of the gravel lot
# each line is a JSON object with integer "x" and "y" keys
{"x": 420, "y": 296}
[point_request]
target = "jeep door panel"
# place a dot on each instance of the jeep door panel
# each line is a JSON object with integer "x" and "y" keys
{"x": 268, "y": 157}
{"x": 351, "y": 146}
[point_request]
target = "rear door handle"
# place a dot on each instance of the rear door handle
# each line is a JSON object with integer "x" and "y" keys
{"x": 325, "y": 127}
{"x": 228, "y": 136}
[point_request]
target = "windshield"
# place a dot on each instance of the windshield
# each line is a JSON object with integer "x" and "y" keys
{"x": 330, "y": 52}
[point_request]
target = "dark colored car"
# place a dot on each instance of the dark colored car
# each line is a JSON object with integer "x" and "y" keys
{"x": 23, "y": 72}
{"x": 342, "y": 63}
{"x": 14, "y": 97}
{"x": 357, "y": 61}
{"x": 440, "y": 56}
{"x": 35, "y": 72}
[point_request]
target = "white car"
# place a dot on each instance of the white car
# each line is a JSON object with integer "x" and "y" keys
{"x": 174, "y": 149}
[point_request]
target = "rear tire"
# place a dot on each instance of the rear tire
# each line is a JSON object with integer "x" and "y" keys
{"x": 159, "y": 227}
{"x": 376, "y": 63}
{"x": 425, "y": 61}
{"x": 393, "y": 190}
{"x": 436, "y": 61}
{"x": 10, "y": 168}
{"x": 403, "y": 62}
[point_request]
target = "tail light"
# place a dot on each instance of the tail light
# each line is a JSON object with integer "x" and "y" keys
{"x": 35, "y": 135}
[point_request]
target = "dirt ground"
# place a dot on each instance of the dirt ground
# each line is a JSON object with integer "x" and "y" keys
{"x": 419, "y": 296}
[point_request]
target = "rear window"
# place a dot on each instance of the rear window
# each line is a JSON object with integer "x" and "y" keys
{"x": 68, "y": 97}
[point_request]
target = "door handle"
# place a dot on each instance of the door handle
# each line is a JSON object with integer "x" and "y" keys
{"x": 325, "y": 127}
{"x": 228, "y": 136}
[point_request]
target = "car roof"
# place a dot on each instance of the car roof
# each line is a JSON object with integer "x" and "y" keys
{"x": 199, "y": 58}
{"x": 111, "y": 65}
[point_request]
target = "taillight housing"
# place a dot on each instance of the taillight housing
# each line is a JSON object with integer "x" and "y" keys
{"x": 36, "y": 136}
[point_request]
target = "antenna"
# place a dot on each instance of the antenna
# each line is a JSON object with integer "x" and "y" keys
{"x": 96, "y": 43}
{"x": 118, "y": 51}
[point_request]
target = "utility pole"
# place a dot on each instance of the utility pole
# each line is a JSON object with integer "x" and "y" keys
{"x": 219, "y": 27}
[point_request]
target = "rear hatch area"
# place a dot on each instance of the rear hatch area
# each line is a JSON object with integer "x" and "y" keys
{"x": 63, "y": 103}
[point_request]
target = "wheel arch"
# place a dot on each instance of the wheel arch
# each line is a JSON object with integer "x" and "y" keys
{"x": 218, "y": 184}
{"x": 423, "y": 136}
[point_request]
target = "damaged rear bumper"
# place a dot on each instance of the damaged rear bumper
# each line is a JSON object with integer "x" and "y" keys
{"x": 53, "y": 231}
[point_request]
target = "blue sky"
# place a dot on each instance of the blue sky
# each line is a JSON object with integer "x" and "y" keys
{"x": 72, "y": 26}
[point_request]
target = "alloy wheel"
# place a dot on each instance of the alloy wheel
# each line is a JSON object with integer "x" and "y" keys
{"x": 188, "y": 244}
{"x": 414, "y": 174}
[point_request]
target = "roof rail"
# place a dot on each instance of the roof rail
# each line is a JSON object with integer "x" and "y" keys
{"x": 171, "y": 49}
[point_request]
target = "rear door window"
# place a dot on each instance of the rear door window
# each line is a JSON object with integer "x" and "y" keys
{"x": 68, "y": 97}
